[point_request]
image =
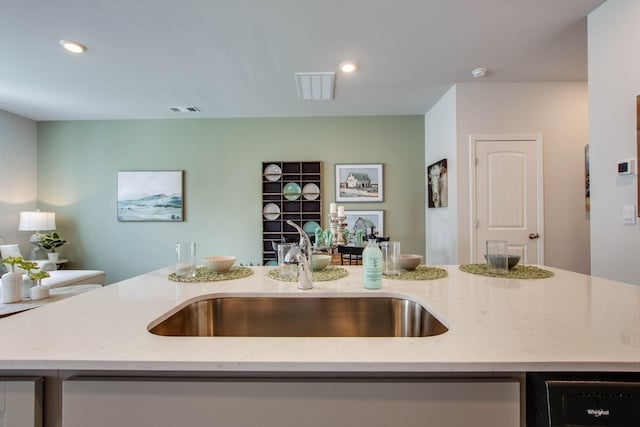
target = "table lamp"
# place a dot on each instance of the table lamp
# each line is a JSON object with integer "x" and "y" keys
{"x": 37, "y": 221}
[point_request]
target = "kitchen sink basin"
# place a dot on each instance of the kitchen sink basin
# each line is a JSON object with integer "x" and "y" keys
{"x": 266, "y": 316}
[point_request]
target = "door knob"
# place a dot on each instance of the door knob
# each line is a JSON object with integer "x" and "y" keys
{"x": 534, "y": 236}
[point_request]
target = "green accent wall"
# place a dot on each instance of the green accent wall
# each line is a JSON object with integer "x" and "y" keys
{"x": 78, "y": 163}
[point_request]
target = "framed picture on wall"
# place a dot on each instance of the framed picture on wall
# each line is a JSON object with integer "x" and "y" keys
{"x": 364, "y": 220}
{"x": 359, "y": 183}
{"x": 437, "y": 185}
{"x": 150, "y": 196}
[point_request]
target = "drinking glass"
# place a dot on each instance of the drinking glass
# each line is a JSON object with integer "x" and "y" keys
{"x": 186, "y": 259}
{"x": 394, "y": 256}
{"x": 497, "y": 258}
{"x": 288, "y": 272}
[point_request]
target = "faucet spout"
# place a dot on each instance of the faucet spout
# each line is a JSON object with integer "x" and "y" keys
{"x": 303, "y": 258}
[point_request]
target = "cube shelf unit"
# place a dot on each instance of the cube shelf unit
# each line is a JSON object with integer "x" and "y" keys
{"x": 302, "y": 208}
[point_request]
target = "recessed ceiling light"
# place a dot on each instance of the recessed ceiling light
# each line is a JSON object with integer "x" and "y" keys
{"x": 72, "y": 46}
{"x": 479, "y": 72}
{"x": 348, "y": 67}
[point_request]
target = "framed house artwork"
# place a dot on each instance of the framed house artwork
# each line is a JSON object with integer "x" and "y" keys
{"x": 364, "y": 220}
{"x": 359, "y": 183}
{"x": 437, "y": 185}
{"x": 150, "y": 196}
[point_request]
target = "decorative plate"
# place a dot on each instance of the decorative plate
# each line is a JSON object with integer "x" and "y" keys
{"x": 310, "y": 192}
{"x": 271, "y": 211}
{"x": 273, "y": 172}
{"x": 291, "y": 191}
{"x": 310, "y": 227}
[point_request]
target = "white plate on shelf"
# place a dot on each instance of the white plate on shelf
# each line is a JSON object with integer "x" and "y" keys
{"x": 310, "y": 192}
{"x": 271, "y": 211}
{"x": 273, "y": 172}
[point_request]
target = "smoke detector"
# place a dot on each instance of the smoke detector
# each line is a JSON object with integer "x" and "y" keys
{"x": 479, "y": 72}
{"x": 315, "y": 86}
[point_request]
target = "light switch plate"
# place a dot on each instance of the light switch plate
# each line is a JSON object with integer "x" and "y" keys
{"x": 629, "y": 214}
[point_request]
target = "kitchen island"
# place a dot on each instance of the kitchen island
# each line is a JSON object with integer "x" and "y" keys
{"x": 498, "y": 328}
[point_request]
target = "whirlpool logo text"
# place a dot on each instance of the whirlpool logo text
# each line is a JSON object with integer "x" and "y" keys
{"x": 598, "y": 412}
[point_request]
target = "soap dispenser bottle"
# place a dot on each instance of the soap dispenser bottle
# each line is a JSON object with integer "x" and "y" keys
{"x": 372, "y": 266}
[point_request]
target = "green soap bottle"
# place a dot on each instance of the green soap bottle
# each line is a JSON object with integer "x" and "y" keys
{"x": 372, "y": 266}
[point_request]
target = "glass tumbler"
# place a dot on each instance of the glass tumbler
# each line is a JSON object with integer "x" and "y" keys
{"x": 186, "y": 259}
{"x": 497, "y": 258}
{"x": 288, "y": 272}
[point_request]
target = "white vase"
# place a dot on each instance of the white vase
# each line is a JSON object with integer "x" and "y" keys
{"x": 39, "y": 292}
{"x": 11, "y": 288}
{"x": 53, "y": 256}
{"x": 27, "y": 284}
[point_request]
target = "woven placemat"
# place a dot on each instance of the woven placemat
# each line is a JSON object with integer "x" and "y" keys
{"x": 422, "y": 272}
{"x": 203, "y": 274}
{"x": 330, "y": 273}
{"x": 518, "y": 272}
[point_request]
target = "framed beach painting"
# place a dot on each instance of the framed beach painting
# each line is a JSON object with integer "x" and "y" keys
{"x": 359, "y": 183}
{"x": 150, "y": 196}
{"x": 364, "y": 220}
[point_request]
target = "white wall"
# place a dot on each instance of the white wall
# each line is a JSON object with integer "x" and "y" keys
{"x": 558, "y": 112}
{"x": 614, "y": 83}
{"x": 18, "y": 172}
{"x": 440, "y": 143}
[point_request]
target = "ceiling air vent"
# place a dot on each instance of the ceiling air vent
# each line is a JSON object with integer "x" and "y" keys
{"x": 185, "y": 109}
{"x": 315, "y": 86}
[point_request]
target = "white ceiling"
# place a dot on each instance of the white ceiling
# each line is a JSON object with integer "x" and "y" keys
{"x": 238, "y": 58}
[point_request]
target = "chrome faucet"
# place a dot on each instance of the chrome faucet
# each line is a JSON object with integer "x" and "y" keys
{"x": 302, "y": 257}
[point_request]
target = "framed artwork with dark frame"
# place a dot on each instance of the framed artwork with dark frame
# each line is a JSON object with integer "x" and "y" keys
{"x": 150, "y": 196}
{"x": 359, "y": 183}
{"x": 437, "y": 185}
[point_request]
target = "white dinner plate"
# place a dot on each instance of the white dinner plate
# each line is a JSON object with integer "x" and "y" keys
{"x": 273, "y": 172}
{"x": 310, "y": 192}
{"x": 271, "y": 211}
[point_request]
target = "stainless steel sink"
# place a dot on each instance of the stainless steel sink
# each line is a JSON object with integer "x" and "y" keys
{"x": 301, "y": 317}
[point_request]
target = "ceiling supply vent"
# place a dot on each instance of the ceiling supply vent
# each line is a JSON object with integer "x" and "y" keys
{"x": 315, "y": 86}
{"x": 185, "y": 109}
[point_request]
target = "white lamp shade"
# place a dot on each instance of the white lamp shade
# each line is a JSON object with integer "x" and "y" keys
{"x": 37, "y": 221}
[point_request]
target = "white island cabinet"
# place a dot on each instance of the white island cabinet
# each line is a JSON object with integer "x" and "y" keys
{"x": 20, "y": 402}
{"x": 101, "y": 402}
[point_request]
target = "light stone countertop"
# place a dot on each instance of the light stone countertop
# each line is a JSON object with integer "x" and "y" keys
{"x": 570, "y": 322}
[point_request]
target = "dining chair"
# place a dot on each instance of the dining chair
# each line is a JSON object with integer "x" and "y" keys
{"x": 352, "y": 254}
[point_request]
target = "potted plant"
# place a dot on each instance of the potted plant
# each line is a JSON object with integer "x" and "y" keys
{"x": 50, "y": 242}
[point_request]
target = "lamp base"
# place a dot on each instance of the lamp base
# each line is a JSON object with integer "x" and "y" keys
{"x": 38, "y": 253}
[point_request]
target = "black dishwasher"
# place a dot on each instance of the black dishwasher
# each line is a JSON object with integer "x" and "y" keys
{"x": 583, "y": 399}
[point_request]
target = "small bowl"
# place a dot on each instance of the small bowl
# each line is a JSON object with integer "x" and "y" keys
{"x": 219, "y": 264}
{"x": 320, "y": 261}
{"x": 409, "y": 262}
{"x": 511, "y": 262}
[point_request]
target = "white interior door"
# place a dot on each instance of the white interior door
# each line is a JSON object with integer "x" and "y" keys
{"x": 508, "y": 196}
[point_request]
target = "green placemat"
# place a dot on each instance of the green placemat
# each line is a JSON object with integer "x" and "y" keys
{"x": 203, "y": 274}
{"x": 422, "y": 272}
{"x": 330, "y": 273}
{"x": 518, "y": 272}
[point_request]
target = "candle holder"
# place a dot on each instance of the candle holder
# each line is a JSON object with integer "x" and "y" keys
{"x": 337, "y": 224}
